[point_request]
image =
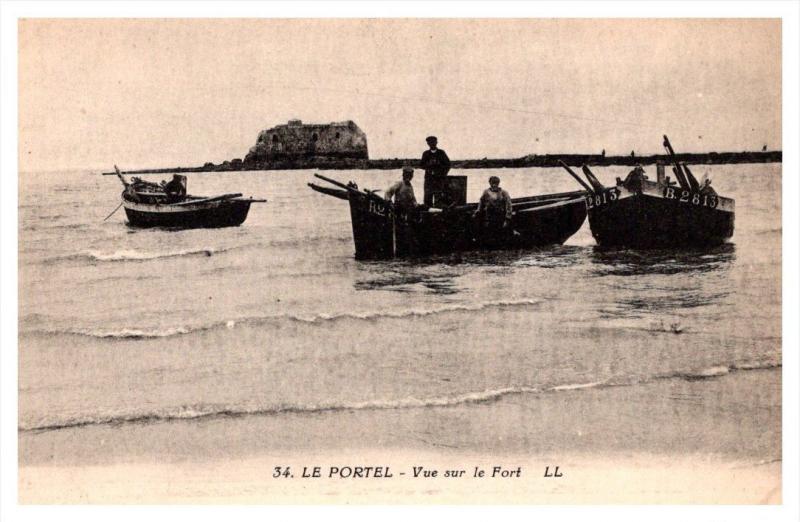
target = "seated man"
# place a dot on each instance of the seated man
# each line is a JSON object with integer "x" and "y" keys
{"x": 403, "y": 192}
{"x": 175, "y": 189}
{"x": 635, "y": 179}
{"x": 706, "y": 188}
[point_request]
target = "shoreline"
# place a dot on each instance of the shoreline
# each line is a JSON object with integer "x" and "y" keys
{"x": 714, "y": 440}
{"x": 531, "y": 161}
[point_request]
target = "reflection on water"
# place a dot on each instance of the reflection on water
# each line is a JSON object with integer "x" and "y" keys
{"x": 403, "y": 279}
{"x": 658, "y": 302}
{"x": 665, "y": 281}
{"x": 625, "y": 262}
{"x": 439, "y": 274}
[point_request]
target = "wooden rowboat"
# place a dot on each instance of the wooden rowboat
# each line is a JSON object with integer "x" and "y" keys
{"x": 193, "y": 212}
{"x": 381, "y": 231}
{"x": 147, "y": 205}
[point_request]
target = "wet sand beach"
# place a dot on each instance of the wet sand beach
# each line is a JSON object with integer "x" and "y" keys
{"x": 714, "y": 440}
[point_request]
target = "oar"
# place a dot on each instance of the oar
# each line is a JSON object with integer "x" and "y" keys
{"x": 207, "y": 200}
{"x": 112, "y": 213}
{"x": 577, "y": 178}
{"x": 351, "y": 189}
{"x": 598, "y": 187}
{"x": 689, "y": 176}
{"x": 119, "y": 175}
{"x": 676, "y": 169}
{"x": 333, "y": 181}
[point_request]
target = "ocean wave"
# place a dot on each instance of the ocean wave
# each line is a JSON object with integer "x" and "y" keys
{"x": 414, "y": 312}
{"x": 582, "y": 386}
{"x": 136, "y": 255}
{"x": 36, "y": 227}
{"x": 207, "y": 411}
{"x": 320, "y": 318}
{"x": 714, "y": 371}
{"x": 132, "y": 333}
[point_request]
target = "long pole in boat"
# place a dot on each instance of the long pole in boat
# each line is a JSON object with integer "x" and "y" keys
{"x": 349, "y": 188}
{"x": 684, "y": 183}
{"x": 689, "y": 176}
{"x": 577, "y": 178}
{"x": 599, "y": 187}
{"x": 119, "y": 175}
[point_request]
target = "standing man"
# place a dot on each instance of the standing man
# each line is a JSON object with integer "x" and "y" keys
{"x": 436, "y": 165}
{"x": 495, "y": 208}
{"x": 405, "y": 205}
{"x": 403, "y": 192}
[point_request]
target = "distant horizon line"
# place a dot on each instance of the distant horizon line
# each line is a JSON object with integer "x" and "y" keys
{"x": 485, "y": 158}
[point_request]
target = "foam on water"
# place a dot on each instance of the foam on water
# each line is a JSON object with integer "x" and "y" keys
{"x": 202, "y": 411}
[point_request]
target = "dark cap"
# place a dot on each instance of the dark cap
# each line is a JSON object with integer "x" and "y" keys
{"x": 431, "y": 138}
{"x": 408, "y": 170}
{"x": 494, "y": 179}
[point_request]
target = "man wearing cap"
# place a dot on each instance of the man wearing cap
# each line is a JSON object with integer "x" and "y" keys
{"x": 436, "y": 165}
{"x": 495, "y": 205}
{"x": 403, "y": 192}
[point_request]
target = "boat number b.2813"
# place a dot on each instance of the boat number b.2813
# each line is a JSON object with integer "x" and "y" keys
{"x": 691, "y": 198}
{"x": 597, "y": 200}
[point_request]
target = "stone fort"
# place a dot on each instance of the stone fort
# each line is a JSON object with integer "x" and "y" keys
{"x": 296, "y": 140}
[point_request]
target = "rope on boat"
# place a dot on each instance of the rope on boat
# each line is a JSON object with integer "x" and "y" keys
{"x": 114, "y": 212}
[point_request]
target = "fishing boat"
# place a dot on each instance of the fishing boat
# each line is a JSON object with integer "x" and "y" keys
{"x": 641, "y": 213}
{"x": 148, "y": 205}
{"x": 382, "y": 231}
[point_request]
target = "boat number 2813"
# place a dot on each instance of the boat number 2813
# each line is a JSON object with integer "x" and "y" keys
{"x": 596, "y": 200}
{"x": 693, "y": 198}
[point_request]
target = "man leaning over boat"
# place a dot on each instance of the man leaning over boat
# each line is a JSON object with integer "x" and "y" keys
{"x": 403, "y": 192}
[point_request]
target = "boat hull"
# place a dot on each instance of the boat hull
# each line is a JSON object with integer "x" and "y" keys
{"x": 215, "y": 214}
{"x": 380, "y": 232}
{"x": 659, "y": 217}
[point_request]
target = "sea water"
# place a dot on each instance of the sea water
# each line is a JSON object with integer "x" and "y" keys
{"x": 275, "y": 317}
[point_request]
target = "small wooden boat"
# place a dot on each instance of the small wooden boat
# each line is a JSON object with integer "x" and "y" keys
{"x": 381, "y": 231}
{"x": 148, "y": 205}
{"x": 641, "y": 213}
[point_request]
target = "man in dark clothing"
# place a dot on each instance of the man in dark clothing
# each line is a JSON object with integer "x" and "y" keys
{"x": 175, "y": 189}
{"x": 436, "y": 165}
{"x": 635, "y": 179}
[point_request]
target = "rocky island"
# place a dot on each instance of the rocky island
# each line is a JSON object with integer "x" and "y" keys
{"x": 343, "y": 146}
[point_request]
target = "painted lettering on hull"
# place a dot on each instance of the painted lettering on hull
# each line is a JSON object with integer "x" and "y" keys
{"x": 602, "y": 198}
{"x": 691, "y": 198}
{"x": 375, "y": 207}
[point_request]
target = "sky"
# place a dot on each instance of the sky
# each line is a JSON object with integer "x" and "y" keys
{"x": 145, "y": 93}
